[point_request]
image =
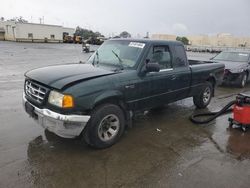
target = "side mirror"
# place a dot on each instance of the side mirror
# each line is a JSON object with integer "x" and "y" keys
{"x": 152, "y": 67}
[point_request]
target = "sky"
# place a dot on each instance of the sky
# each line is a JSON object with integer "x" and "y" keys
{"x": 111, "y": 17}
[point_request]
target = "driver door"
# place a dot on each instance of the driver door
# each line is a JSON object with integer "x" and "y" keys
{"x": 153, "y": 88}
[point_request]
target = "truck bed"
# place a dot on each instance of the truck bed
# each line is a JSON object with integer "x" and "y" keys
{"x": 200, "y": 72}
{"x": 198, "y": 62}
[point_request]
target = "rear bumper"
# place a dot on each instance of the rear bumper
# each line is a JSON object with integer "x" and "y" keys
{"x": 67, "y": 126}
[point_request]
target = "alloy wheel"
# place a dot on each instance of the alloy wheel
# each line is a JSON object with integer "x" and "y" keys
{"x": 108, "y": 127}
{"x": 207, "y": 95}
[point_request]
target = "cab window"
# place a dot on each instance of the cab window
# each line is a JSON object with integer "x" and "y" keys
{"x": 180, "y": 57}
{"x": 161, "y": 55}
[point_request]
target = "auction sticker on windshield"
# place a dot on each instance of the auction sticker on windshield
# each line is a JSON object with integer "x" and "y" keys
{"x": 136, "y": 44}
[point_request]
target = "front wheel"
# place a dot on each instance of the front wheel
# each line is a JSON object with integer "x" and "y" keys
{"x": 243, "y": 80}
{"x": 105, "y": 127}
{"x": 203, "y": 99}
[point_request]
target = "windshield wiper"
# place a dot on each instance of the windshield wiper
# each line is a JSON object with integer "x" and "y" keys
{"x": 96, "y": 55}
{"x": 120, "y": 60}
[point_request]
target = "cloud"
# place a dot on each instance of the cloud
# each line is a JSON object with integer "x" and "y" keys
{"x": 155, "y": 16}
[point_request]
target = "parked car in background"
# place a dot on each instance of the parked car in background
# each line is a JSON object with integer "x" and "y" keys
{"x": 237, "y": 67}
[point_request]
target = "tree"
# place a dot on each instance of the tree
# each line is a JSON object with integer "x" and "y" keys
{"x": 86, "y": 34}
{"x": 184, "y": 40}
{"x": 125, "y": 34}
{"x": 2, "y": 19}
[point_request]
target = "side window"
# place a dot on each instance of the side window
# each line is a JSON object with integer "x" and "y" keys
{"x": 161, "y": 55}
{"x": 181, "y": 59}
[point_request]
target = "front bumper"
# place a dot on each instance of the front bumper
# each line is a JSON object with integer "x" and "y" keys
{"x": 67, "y": 126}
{"x": 232, "y": 78}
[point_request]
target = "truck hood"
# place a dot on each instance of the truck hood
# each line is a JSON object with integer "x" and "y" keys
{"x": 232, "y": 65}
{"x": 60, "y": 76}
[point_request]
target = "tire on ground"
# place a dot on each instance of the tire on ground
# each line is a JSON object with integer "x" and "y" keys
{"x": 243, "y": 80}
{"x": 203, "y": 99}
{"x": 91, "y": 133}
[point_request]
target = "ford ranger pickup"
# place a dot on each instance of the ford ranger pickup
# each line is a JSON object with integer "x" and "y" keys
{"x": 96, "y": 100}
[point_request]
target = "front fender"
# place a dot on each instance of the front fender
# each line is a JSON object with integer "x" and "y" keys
{"x": 112, "y": 94}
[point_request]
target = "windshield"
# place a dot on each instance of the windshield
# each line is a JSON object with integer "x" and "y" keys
{"x": 123, "y": 54}
{"x": 232, "y": 56}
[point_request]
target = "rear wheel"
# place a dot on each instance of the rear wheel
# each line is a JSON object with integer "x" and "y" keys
{"x": 203, "y": 99}
{"x": 105, "y": 127}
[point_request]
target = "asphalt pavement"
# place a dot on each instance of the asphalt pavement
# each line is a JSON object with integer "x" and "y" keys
{"x": 162, "y": 149}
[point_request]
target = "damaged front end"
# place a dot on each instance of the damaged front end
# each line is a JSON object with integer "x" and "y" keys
{"x": 232, "y": 77}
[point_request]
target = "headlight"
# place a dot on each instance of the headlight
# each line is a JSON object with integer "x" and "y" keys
{"x": 61, "y": 100}
{"x": 237, "y": 70}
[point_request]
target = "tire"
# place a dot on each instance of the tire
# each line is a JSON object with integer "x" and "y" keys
{"x": 244, "y": 128}
{"x": 243, "y": 80}
{"x": 105, "y": 127}
{"x": 203, "y": 99}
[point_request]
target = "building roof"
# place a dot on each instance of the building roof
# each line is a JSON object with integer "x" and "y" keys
{"x": 14, "y": 22}
{"x": 39, "y": 24}
{"x": 68, "y": 28}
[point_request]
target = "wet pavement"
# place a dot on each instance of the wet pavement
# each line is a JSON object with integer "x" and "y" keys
{"x": 163, "y": 149}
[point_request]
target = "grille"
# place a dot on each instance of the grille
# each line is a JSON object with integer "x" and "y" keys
{"x": 35, "y": 91}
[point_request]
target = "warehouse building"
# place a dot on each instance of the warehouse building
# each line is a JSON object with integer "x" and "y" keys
{"x": 219, "y": 40}
{"x": 32, "y": 32}
{"x": 163, "y": 37}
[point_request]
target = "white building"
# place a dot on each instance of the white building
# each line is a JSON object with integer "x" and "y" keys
{"x": 32, "y": 32}
{"x": 163, "y": 37}
{"x": 219, "y": 40}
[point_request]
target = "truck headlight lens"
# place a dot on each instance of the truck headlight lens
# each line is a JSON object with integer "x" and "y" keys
{"x": 61, "y": 100}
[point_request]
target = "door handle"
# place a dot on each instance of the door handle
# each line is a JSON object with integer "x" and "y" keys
{"x": 174, "y": 77}
{"x": 130, "y": 86}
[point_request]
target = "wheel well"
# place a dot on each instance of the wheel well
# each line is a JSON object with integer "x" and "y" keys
{"x": 120, "y": 103}
{"x": 111, "y": 100}
{"x": 212, "y": 81}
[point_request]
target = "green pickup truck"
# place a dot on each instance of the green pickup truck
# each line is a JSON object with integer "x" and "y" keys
{"x": 96, "y": 100}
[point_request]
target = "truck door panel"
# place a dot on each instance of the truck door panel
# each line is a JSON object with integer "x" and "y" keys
{"x": 181, "y": 71}
{"x": 161, "y": 83}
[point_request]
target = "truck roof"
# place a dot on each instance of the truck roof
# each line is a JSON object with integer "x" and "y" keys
{"x": 148, "y": 41}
